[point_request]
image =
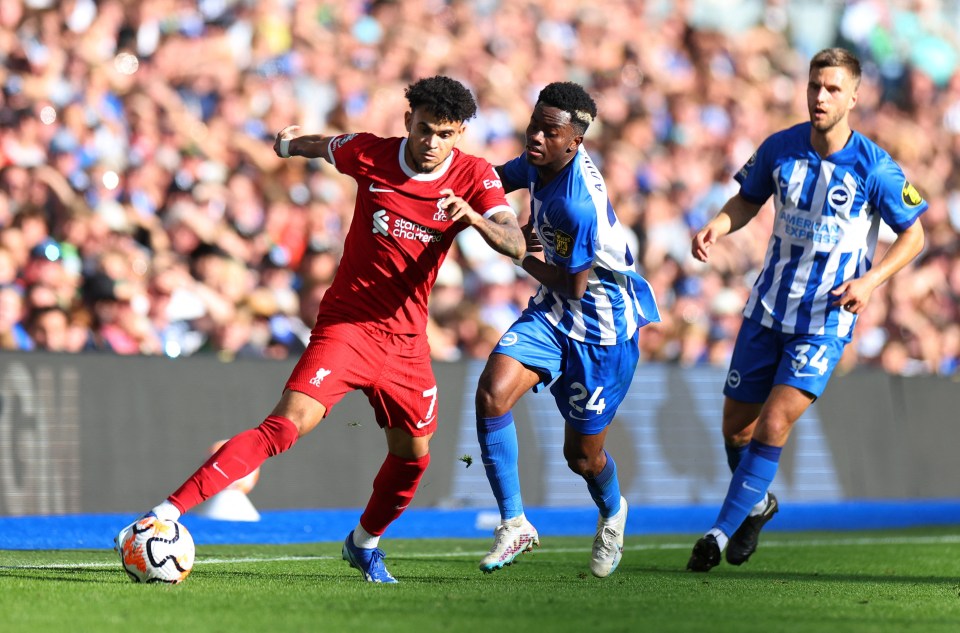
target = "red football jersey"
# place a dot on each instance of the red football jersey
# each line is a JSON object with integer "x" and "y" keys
{"x": 399, "y": 236}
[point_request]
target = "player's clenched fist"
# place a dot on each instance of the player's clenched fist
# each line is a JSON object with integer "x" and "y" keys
{"x": 282, "y": 143}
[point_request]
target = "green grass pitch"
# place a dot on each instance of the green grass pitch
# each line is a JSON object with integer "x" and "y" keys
{"x": 877, "y": 581}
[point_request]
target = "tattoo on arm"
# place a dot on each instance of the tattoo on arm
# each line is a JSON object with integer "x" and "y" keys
{"x": 503, "y": 234}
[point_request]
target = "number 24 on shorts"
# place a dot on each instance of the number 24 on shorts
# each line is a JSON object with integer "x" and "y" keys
{"x": 595, "y": 404}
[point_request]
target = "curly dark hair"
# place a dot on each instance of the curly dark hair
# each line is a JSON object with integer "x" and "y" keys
{"x": 573, "y": 99}
{"x": 447, "y": 99}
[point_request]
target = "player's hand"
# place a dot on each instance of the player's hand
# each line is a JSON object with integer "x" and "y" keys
{"x": 853, "y": 295}
{"x": 702, "y": 241}
{"x": 282, "y": 143}
{"x": 531, "y": 237}
{"x": 458, "y": 209}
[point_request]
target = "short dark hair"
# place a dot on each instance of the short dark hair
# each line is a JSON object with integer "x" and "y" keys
{"x": 837, "y": 58}
{"x": 33, "y": 318}
{"x": 446, "y": 98}
{"x": 572, "y": 99}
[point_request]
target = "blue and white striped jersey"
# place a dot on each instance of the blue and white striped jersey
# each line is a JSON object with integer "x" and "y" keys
{"x": 828, "y": 213}
{"x": 578, "y": 229}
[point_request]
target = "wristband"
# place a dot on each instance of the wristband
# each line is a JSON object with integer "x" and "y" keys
{"x": 285, "y": 147}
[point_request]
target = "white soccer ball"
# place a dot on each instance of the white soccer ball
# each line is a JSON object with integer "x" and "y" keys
{"x": 157, "y": 550}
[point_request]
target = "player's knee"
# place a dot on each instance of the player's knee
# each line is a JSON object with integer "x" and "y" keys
{"x": 738, "y": 439}
{"x": 489, "y": 403}
{"x": 579, "y": 463}
{"x": 584, "y": 467}
{"x": 582, "y": 463}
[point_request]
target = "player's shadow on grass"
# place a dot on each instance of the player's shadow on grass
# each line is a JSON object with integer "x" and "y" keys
{"x": 64, "y": 574}
{"x": 527, "y": 568}
{"x": 793, "y": 576}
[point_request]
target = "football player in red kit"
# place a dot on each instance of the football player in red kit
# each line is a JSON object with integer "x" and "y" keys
{"x": 414, "y": 195}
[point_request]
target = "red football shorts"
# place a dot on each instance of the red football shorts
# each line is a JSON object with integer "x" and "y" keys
{"x": 393, "y": 370}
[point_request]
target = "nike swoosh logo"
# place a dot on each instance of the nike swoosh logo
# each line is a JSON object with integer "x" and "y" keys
{"x": 422, "y": 424}
{"x": 216, "y": 467}
{"x": 377, "y": 189}
{"x": 750, "y": 488}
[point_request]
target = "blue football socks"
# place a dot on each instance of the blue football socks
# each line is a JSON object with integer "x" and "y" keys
{"x": 500, "y": 452}
{"x": 749, "y": 484}
{"x": 605, "y": 488}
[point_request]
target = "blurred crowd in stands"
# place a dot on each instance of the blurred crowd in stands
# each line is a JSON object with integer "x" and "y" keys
{"x": 143, "y": 211}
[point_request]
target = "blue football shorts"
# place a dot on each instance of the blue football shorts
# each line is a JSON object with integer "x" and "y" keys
{"x": 588, "y": 381}
{"x": 763, "y": 357}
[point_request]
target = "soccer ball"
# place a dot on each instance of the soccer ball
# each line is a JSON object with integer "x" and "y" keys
{"x": 157, "y": 550}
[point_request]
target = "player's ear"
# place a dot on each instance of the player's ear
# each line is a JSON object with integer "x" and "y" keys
{"x": 407, "y": 120}
{"x": 574, "y": 143}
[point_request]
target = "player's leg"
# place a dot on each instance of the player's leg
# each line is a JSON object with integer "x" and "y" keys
{"x": 595, "y": 380}
{"x": 804, "y": 367}
{"x": 759, "y": 465}
{"x": 587, "y": 457}
{"x": 405, "y": 402}
{"x": 503, "y": 381}
{"x": 393, "y": 489}
{"x": 752, "y": 479}
{"x": 739, "y": 422}
{"x": 310, "y": 392}
{"x": 326, "y": 371}
{"x": 295, "y": 415}
{"x": 753, "y": 366}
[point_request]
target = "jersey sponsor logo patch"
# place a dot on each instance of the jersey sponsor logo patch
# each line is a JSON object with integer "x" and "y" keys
{"x": 407, "y": 230}
{"x": 911, "y": 197}
{"x": 403, "y": 229}
{"x": 563, "y": 243}
{"x": 380, "y": 219}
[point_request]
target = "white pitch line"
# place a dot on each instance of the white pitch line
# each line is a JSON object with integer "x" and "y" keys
{"x": 770, "y": 542}
{"x": 199, "y": 561}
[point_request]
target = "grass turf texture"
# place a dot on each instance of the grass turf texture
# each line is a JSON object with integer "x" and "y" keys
{"x": 906, "y": 580}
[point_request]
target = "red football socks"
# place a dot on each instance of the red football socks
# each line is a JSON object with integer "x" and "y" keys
{"x": 393, "y": 489}
{"x": 237, "y": 458}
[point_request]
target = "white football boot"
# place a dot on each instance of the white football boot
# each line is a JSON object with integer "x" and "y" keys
{"x": 511, "y": 538}
{"x": 608, "y": 543}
